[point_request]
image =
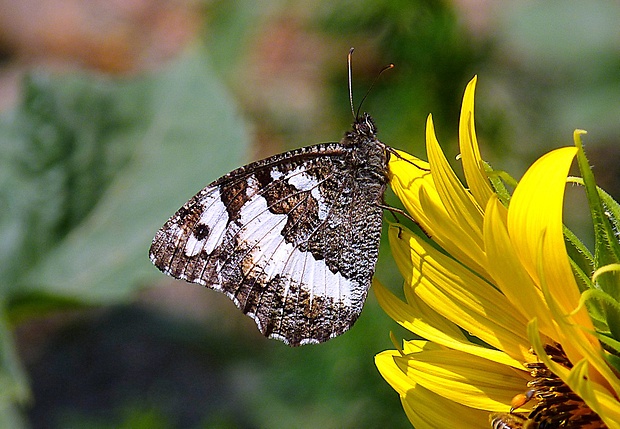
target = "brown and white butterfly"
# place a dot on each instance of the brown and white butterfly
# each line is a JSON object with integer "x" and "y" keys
{"x": 292, "y": 239}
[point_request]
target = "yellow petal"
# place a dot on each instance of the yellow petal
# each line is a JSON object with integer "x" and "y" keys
{"x": 417, "y": 346}
{"x": 457, "y": 294}
{"x": 451, "y": 237}
{"x": 408, "y": 314}
{"x": 578, "y": 342}
{"x": 392, "y": 373}
{"x": 536, "y": 231}
{"x": 609, "y": 409}
{"x": 578, "y": 378}
{"x": 460, "y": 205}
{"x": 427, "y": 410}
{"x": 420, "y": 319}
{"x": 406, "y": 180}
{"x": 416, "y": 189}
{"x": 536, "y": 211}
{"x": 424, "y": 408}
{"x": 509, "y": 274}
{"x": 473, "y": 165}
{"x": 463, "y": 378}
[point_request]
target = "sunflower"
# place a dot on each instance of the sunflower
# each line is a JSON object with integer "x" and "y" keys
{"x": 513, "y": 332}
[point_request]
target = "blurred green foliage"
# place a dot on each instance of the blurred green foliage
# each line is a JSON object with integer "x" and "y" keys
{"x": 90, "y": 167}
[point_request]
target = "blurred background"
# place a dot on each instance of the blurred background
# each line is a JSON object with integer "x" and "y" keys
{"x": 114, "y": 113}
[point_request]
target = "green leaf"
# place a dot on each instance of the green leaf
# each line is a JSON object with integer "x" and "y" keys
{"x": 613, "y": 320}
{"x": 90, "y": 169}
{"x": 607, "y": 247}
{"x": 59, "y": 154}
{"x": 613, "y": 360}
{"x": 612, "y": 345}
{"x": 582, "y": 263}
{"x": 608, "y": 306}
{"x": 612, "y": 212}
{"x": 499, "y": 179}
{"x": 192, "y": 137}
{"x": 13, "y": 381}
{"x": 579, "y": 254}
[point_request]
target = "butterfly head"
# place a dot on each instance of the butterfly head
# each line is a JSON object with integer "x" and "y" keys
{"x": 364, "y": 125}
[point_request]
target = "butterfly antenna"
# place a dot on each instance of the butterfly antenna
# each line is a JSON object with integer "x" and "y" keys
{"x": 350, "y": 85}
{"x": 388, "y": 67}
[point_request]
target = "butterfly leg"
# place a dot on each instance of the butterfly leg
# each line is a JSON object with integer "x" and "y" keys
{"x": 395, "y": 210}
{"x": 392, "y": 151}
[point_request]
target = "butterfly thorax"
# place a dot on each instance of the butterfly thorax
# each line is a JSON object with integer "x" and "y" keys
{"x": 369, "y": 154}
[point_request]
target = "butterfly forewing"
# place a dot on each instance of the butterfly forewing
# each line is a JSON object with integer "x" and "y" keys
{"x": 292, "y": 239}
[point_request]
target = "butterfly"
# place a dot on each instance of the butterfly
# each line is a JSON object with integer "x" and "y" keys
{"x": 292, "y": 239}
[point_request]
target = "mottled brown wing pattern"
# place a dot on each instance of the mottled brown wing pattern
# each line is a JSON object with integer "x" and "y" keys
{"x": 292, "y": 239}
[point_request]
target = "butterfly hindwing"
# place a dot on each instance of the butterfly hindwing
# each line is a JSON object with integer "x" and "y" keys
{"x": 292, "y": 239}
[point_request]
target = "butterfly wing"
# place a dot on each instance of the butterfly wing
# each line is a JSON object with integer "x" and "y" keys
{"x": 292, "y": 240}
